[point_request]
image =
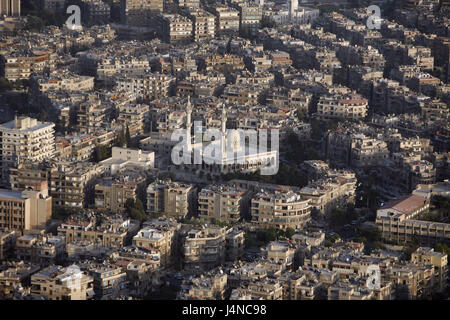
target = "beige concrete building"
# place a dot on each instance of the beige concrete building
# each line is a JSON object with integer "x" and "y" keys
{"x": 24, "y": 210}
{"x": 428, "y": 256}
{"x": 173, "y": 199}
{"x": 174, "y": 28}
{"x": 342, "y": 107}
{"x": 221, "y": 203}
{"x": 204, "y": 247}
{"x": 203, "y": 25}
{"x": 280, "y": 210}
{"x": 58, "y": 283}
{"x": 112, "y": 193}
{"x": 24, "y": 139}
{"x": 116, "y": 233}
{"x": 162, "y": 235}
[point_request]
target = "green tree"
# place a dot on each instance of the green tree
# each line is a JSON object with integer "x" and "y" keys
{"x": 135, "y": 209}
{"x": 5, "y": 85}
{"x": 128, "y": 137}
{"x": 289, "y": 232}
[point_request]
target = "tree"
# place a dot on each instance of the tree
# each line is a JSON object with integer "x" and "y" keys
{"x": 34, "y": 23}
{"x": 443, "y": 248}
{"x": 300, "y": 115}
{"x": 121, "y": 139}
{"x": 5, "y": 85}
{"x": 289, "y": 232}
{"x": 267, "y": 22}
{"x": 135, "y": 209}
{"x": 128, "y": 137}
{"x": 101, "y": 152}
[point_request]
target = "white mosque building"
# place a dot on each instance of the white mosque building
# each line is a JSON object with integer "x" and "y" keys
{"x": 295, "y": 14}
{"x": 231, "y": 151}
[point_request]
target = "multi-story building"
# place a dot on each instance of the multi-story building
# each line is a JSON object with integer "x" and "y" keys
{"x": 174, "y": 28}
{"x": 280, "y": 209}
{"x": 342, "y": 107}
{"x": 58, "y": 283}
{"x": 250, "y": 17}
{"x": 227, "y": 18}
{"x": 400, "y": 222}
{"x": 15, "y": 278}
{"x": 160, "y": 234}
{"x": 139, "y": 12}
{"x": 112, "y": 193}
{"x": 43, "y": 250}
{"x": 152, "y": 86}
{"x": 203, "y": 25}
{"x": 72, "y": 184}
{"x": 24, "y": 210}
{"x": 221, "y": 203}
{"x": 204, "y": 247}
{"x": 108, "y": 281}
{"x": 115, "y": 233}
{"x": 188, "y": 4}
{"x": 24, "y": 139}
{"x": 439, "y": 260}
{"x": 173, "y": 199}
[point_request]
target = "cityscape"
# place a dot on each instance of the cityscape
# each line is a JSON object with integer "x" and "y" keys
{"x": 240, "y": 150}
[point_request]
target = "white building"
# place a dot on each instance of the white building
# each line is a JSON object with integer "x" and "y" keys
{"x": 24, "y": 139}
{"x": 128, "y": 158}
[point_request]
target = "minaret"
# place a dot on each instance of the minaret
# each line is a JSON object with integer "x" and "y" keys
{"x": 293, "y": 7}
{"x": 188, "y": 114}
{"x": 188, "y": 123}
{"x": 224, "y": 130}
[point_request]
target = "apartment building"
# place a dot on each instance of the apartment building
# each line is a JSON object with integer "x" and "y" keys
{"x": 188, "y": 4}
{"x": 203, "y": 25}
{"x": 139, "y": 13}
{"x": 174, "y": 28}
{"x": 109, "y": 282}
{"x": 400, "y": 222}
{"x": 112, "y": 193}
{"x": 115, "y": 233}
{"x": 149, "y": 86}
{"x": 72, "y": 184}
{"x": 250, "y": 17}
{"x": 227, "y": 18}
{"x": 24, "y": 210}
{"x": 16, "y": 277}
{"x": 206, "y": 287}
{"x": 222, "y": 203}
{"x": 428, "y": 256}
{"x": 59, "y": 283}
{"x": 204, "y": 248}
{"x": 342, "y": 107}
{"x": 24, "y": 139}
{"x": 294, "y": 98}
{"x": 42, "y": 250}
{"x": 92, "y": 115}
{"x": 162, "y": 235}
{"x": 279, "y": 209}
{"x": 173, "y": 199}
{"x": 367, "y": 151}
